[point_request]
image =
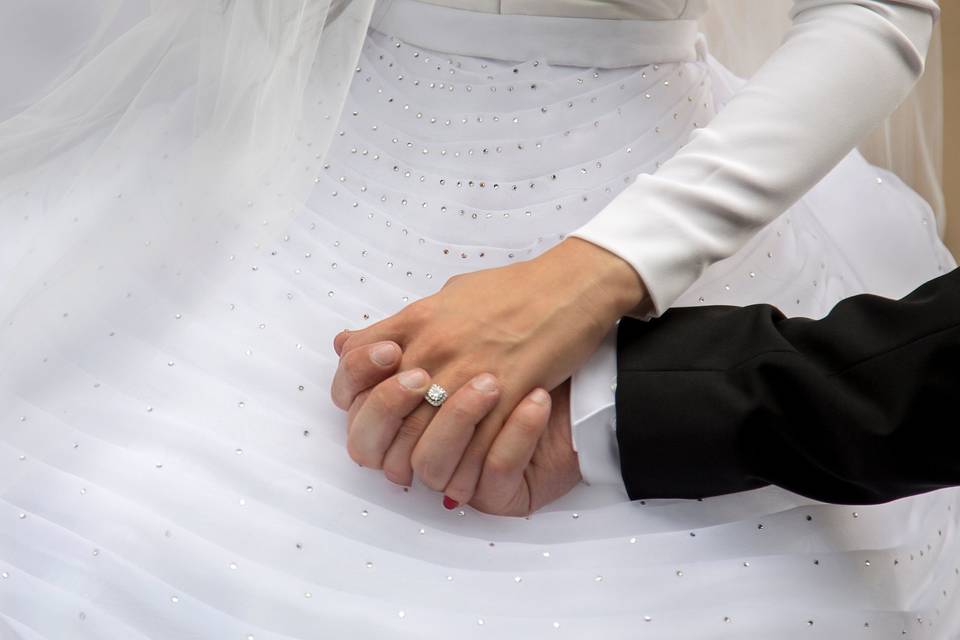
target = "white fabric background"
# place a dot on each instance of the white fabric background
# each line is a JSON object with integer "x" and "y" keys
{"x": 172, "y": 466}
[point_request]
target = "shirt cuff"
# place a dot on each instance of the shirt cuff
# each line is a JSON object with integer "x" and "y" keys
{"x": 593, "y": 415}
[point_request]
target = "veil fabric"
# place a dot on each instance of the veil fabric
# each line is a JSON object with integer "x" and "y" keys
{"x": 236, "y": 72}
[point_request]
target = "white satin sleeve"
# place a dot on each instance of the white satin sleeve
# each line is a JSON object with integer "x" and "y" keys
{"x": 843, "y": 67}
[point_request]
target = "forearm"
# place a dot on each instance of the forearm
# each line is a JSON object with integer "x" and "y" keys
{"x": 846, "y": 409}
{"x": 842, "y": 69}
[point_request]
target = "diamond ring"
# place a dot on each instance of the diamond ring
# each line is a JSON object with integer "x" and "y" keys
{"x": 436, "y": 395}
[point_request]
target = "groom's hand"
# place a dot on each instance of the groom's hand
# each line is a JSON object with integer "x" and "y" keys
{"x": 530, "y": 463}
{"x": 518, "y": 484}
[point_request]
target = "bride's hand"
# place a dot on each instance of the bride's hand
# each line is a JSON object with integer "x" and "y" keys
{"x": 531, "y": 462}
{"x": 530, "y": 324}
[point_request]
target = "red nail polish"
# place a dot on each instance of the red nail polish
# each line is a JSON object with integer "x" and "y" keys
{"x": 449, "y": 503}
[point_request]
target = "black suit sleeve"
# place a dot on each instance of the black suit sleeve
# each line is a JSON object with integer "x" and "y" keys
{"x": 860, "y": 407}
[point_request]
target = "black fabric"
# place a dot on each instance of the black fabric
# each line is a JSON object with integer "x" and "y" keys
{"x": 860, "y": 407}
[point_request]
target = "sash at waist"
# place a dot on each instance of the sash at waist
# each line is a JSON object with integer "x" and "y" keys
{"x": 580, "y": 42}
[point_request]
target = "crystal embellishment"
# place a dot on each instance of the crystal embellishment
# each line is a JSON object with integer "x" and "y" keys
{"x": 436, "y": 395}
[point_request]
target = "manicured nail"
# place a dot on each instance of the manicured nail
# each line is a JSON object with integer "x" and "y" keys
{"x": 449, "y": 503}
{"x": 413, "y": 379}
{"x": 384, "y": 354}
{"x": 485, "y": 383}
{"x": 540, "y": 396}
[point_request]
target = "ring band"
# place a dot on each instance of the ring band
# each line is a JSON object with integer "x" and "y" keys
{"x": 436, "y": 395}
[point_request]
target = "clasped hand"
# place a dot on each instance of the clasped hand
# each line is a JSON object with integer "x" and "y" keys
{"x": 496, "y": 340}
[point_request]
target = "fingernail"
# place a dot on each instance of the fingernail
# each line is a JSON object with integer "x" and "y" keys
{"x": 449, "y": 503}
{"x": 413, "y": 379}
{"x": 384, "y": 354}
{"x": 485, "y": 383}
{"x": 540, "y": 397}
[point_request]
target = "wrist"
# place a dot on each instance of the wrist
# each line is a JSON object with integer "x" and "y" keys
{"x": 613, "y": 285}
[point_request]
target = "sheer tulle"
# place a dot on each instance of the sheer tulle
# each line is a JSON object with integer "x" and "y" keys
{"x": 172, "y": 466}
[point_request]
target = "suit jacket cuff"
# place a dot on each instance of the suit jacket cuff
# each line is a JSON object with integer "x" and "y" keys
{"x": 679, "y": 418}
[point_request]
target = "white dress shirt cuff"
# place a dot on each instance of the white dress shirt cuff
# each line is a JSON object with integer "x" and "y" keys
{"x": 593, "y": 415}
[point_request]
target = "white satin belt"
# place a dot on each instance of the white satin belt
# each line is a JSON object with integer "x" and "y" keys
{"x": 579, "y": 42}
{"x": 608, "y": 9}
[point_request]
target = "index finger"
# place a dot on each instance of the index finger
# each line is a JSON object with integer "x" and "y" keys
{"x": 361, "y": 369}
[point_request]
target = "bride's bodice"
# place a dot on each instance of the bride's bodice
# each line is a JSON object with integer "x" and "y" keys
{"x": 609, "y": 9}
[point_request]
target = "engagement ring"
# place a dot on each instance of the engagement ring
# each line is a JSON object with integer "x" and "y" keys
{"x": 436, "y": 395}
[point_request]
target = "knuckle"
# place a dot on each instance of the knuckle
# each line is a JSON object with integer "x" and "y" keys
{"x": 430, "y": 474}
{"x": 527, "y": 425}
{"x": 497, "y": 467}
{"x": 444, "y": 344}
{"x": 356, "y": 373}
{"x": 436, "y": 345}
{"x": 418, "y": 458}
{"x": 463, "y": 413}
{"x": 362, "y": 455}
{"x": 474, "y": 455}
{"x": 411, "y": 429}
{"x": 395, "y": 476}
{"x": 351, "y": 343}
{"x": 350, "y": 371}
{"x": 385, "y": 400}
{"x": 359, "y": 401}
{"x": 529, "y": 419}
{"x": 353, "y": 411}
{"x": 482, "y": 504}
{"x": 495, "y": 507}
{"x": 337, "y": 397}
{"x": 397, "y": 470}
{"x": 496, "y": 498}
{"x": 461, "y": 487}
{"x": 515, "y": 510}
{"x": 418, "y": 312}
{"x": 407, "y": 434}
{"x": 341, "y": 389}
{"x": 417, "y": 421}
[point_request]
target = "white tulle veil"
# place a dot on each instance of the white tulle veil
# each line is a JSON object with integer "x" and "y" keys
{"x": 204, "y": 97}
{"x": 111, "y": 80}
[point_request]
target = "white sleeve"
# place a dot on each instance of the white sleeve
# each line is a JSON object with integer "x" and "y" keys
{"x": 843, "y": 67}
{"x": 593, "y": 415}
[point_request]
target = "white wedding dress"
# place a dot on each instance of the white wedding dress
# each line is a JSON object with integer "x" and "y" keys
{"x": 171, "y": 466}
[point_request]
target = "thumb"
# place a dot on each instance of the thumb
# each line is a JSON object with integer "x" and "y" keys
{"x": 502, "y": 488}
